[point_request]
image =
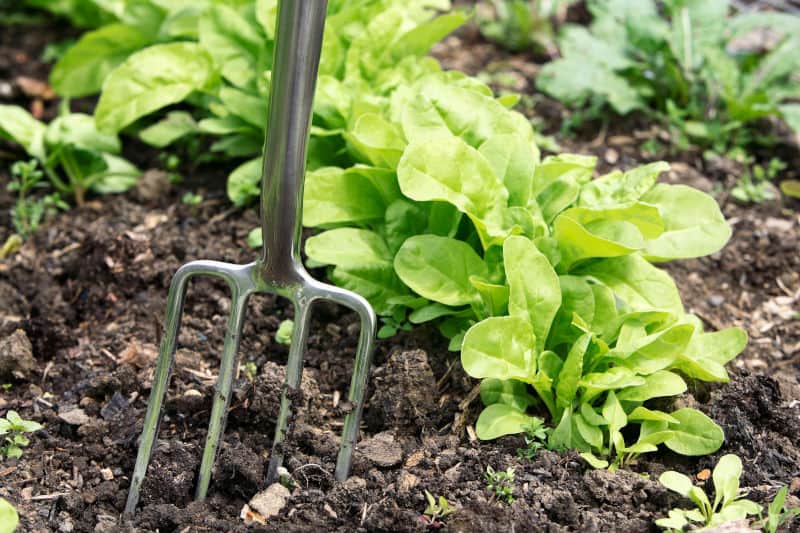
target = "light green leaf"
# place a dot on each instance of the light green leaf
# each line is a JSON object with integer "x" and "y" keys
{"x": 594, "y": 461}
{"x": 726, "y": 479}
{"x": 235, "y": 44}
{"x": 349, "y": 248}
{"x": 534, "y": 288}
{"x": 790, "y": 113}
{"x": 693, "y": 223}
{"x": 696, "y": 434}
{"x": 676, "y": 482}
{"x": 643, "y": 413}
{"x": 439, "y": 268}
{"x": 592, "y": 434}
{"x": 494, "y": 297}
{"x": 570, "y": 375}
{"x": 419, "y": 40}
{"x": 85, "y": 66}
{"x": 621, "y": 188}
{"x": 500, "y": 419}
{"x": 176, "y": 125}
{"x": 377, "y": 140}
{"x": 244, "y": 183}
{"x": 79, "y": 130}
{"x": 573, "y": 167}
{"x": 659, "y": 384}
{"x": 150, "y": 80}
{"x": 333, "y": 196}
{"x": 500, "y": 348}
{"x": 508, "y": 392}
{"x": 637, "y": 283}
{"x": 614, "y": 413}
{"x": 379, "y": 285}
{"x": 513, "y": 161}
{"x": 8, "y": 517}
{"x": 19, "y": 126}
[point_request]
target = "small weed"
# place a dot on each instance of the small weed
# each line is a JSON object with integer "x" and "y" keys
{"x": 500, "y": 484}
{"x": 28, "y": 213}
{"x": 13, "y": 427}
{"x": 192, "y": 199}
{"x": 8, "y": 517}
{"x": 777, "y": 513}
{"x": 535, "y": 439}
{"x": 754, "y": 185}
{"x": 250, "y": 370}
{"x": 436, "y": 510}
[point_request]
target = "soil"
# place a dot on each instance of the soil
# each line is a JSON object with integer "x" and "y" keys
{"x": 87, "y": 293}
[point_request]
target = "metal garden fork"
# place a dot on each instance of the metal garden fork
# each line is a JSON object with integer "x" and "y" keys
{"x": 279, "y": 271}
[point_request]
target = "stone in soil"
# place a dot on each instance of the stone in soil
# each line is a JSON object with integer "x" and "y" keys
{"x": 16, "y": 356}
{"x": 382, "y": 449}
{"x": 266, "y": 504}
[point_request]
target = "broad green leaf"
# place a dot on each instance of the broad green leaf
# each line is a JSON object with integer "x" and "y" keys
{"x": 377, "y": 140}
{"x": 85, "y": 66}
{"x": 614, "y": 378}
{"x": 707, "y": 353}
{"x": 574, "y": 81}
{"x": 574, "y": 167}
{"x": 735, "y": 511}
{"x": 590, "y": 416}
{"x": 534, "y": 288}
{"x": 636, "y": 282}
{"x": 149, "y": 80}
{"x": 570, "y": 375}
{"x": 251, "y": 108}
{"x": 8, "y": 517}
{"x": 500, "y": 348}
{"x": 500, "y": 419}
{"x": 676, "y": 520}
{"x": 439, "y": 268}
{"x": 592, "y": 434}
{"x": 614, "y": 413}
{"x": 419, "y": 40}
{"x": 235, "y": 44}
{"x": 577, "y": 41}
{"x": 594, "y": 461}
{"x": 659, "y": 384}
{"x": 643, "y": 413}
{"x": 266, "y": 15}
{"x": 696, "y": 434}
{"x": 432, "y": 311}
{"x": 79, "y": 130}
{"x": 621, "y": 188}
{"x": 577, "y": 297}
{"x": 508, "y": 392}
{"x": 244, "y": 183}
{"x": 654, "y": 352}
{"x": 175, "y": 125}
{"x": 557, "y": 196}
{"x": 449, "y": 170}
{"x": 676, "y": 482}
{"x": 333, "y": 196}
{"x": 726, "y": 479}
{"x": 349, "y": 248}
{"x": 119, "y": 175}
{"x": 790, "y": 113}
{"x": 513, "y": 161}
{"x": 19, "y": 126}
{"x": 379, "y": 285}
{"x": 693, "y": 223}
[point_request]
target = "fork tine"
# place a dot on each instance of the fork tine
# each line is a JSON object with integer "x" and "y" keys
{"x": 222, "y": 395}
{"x": 152, "y": 419}
{"x": 294, "y": 373}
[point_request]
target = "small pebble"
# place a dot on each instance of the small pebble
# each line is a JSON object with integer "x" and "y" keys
{"x": 716, "y": 300}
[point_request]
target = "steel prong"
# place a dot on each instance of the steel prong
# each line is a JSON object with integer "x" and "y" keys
{"x": 294, "y": 373}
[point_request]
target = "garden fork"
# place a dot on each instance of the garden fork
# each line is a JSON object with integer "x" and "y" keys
{"x": 279, "y": 271}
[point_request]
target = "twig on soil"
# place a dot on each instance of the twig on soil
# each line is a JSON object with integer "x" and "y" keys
{"x": 446, "y": 375}
{"x": 45, "y": 497}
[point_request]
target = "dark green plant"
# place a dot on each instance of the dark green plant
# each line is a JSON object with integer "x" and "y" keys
{"x": 500, "y": 483}
{"x": 682, "y": 62}
{"x": 535, "y": 439}
{"x": 13, "y": 428}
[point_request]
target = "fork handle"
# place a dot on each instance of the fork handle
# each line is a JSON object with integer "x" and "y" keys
{"x": 300, "y": 25}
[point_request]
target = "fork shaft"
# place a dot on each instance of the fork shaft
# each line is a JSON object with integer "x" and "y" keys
{"x": 298, "y": 47}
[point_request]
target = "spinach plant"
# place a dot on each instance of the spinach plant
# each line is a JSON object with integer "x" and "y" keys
{"x": 728, "y": 505}
{"x": 74, "y": 155}
{"x": 436, "y": 510}
{"x": 13, "y": 428}
{"x": 691, "y": 69}
{"x": 520, "y": 25}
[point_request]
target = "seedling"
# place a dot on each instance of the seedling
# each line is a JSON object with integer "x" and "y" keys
{"x": 500, "y": 484}
{"x": 535, "y": 439}
{"x": 285, "y": 332}
{"x": 250, "y": 370}
{"x": 754, "y": 185}
{"x": 13, "y": 428}
{"x": 28, "y": 213}
{"x": 192, "y": 199}
{"x": 777, "y": 513}
{"x": 8, "y": 517}
{"x": 728, "y": 505}
{"x": 436, "y": 510}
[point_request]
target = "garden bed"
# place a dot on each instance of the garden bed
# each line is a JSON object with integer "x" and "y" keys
{"x": 88, "y": 292}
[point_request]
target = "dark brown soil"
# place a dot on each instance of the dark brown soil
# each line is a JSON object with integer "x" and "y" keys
{"x": 88, "y": 291}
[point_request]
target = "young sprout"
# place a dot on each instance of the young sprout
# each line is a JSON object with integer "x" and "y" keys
{"x": 777, "y": 513}
{"x": 13, "y": 427}
{"x": 284, "y": 333}
{"x": 501, "y": 484}
{"x": 436, "y": 510}
{"x": 535, "y": 439}
{"x": 250, "y": 370}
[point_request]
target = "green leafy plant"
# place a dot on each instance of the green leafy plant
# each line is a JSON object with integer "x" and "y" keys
{"x": 74, "y": 155}
{"x": 250, "y": 370}
{"x": 728, "y": 504}
{"x": 8, "y": 517}
{"x": 520, "y": 24}
{"x": 791, "y": 188}
{"x": 500, "y": 483}
{"x": 13, "y": 428}
{"x": 690, "y": 69}
{"x": 29, "y": 212}
{"x": 437, "y": 509}
{"x": 535, "y": 439}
